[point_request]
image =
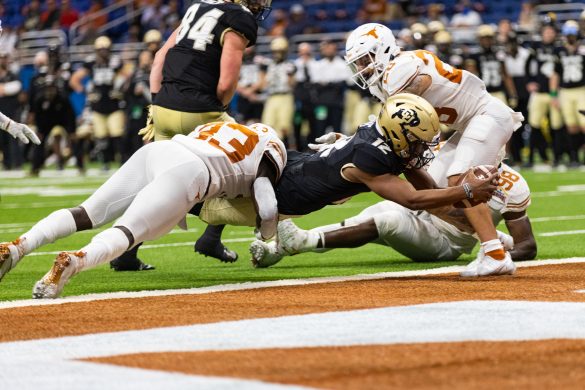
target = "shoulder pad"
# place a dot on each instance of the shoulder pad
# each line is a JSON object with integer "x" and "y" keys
{"x": 400, "y": 72}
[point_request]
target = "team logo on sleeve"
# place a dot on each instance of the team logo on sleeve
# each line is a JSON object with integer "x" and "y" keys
{"x": 408, "y": 116}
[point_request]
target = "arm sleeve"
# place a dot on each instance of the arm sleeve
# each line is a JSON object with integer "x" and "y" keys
{"x": 11, "y": 88}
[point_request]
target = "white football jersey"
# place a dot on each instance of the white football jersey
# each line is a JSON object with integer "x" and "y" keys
{"x": 232, "y": 152}
{"x": 456, "y": 94}
{"x": 512, "y": 195}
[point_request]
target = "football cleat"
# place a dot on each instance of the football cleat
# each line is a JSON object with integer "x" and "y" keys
{"x": 265, "y": 254}
{"x": 291, "y": 238}
{"x": 65, "y": 266}
{"x": 216, "y": 250}
{"x": 10, "y": 254}
{"x": 488, "y": 266}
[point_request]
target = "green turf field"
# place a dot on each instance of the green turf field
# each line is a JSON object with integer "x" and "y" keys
{"x": 557, "y": 212}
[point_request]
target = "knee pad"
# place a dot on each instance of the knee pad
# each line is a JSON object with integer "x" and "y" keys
{"x": 389, "y": 222}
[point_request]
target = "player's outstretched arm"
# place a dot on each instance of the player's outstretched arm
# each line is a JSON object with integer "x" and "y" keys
{"x": 402, "y": 192}
{"x": 18, "y": 130}
{"x": 520, "y": 229}
{"x": 265, "y": 200}
{"x": 420, "y": 179}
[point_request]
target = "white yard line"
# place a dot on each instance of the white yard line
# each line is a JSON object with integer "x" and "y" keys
{"x": 562, "y": 233}
{"x": 267, "y": 284}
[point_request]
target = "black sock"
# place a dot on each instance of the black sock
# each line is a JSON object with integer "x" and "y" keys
{"x": 213, "y": 232}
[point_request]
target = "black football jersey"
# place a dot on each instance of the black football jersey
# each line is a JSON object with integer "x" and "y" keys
{"x": 192, "y": 67}
{"x": 490, "y": 70}
{"x": 103, "y": 78}
{"x": 313, "y": 181}
{"x": 541, "y": 64}
{"x": 570, "y": 67}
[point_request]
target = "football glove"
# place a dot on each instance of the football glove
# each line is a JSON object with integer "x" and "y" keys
{"x": 147, "y": 132}
{"x": 326, "y": 140}
{"x": 22, "y": 132}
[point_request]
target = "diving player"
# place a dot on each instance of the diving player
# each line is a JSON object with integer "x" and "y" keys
{"x": 153, "y": 191}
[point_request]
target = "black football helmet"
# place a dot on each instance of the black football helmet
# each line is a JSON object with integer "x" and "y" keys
{"x": 260, "y": 8}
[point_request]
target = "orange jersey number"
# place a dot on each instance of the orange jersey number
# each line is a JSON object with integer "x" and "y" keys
{"x": 235, "y": 140}
{"x": 507, "y": 180}
{"x": 447, "y": 71}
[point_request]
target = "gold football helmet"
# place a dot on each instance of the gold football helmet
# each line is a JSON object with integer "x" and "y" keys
{"x": 102, "y": 42}
{"x": 409, "y": 124}
{"x": 259, "y": 8}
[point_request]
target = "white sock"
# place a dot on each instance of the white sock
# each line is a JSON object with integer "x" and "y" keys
{"x": 104, "y": 247}
{"x": 56, "y": 225}
{"x": 492, "y": 245}
{"x": 313, "y": 237}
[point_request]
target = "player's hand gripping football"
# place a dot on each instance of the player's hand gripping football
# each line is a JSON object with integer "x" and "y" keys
{"x": 482, "y": 183}
{"x": 147, "y": 132}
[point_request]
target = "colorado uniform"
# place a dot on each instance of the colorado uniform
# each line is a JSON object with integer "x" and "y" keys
{"x": 489, "y": 64}
{"x": 312, "y": 181}
{"x": 484, "y": 123}
{"x": 570, "y": 67}
{"x": 422, "y": 236}
{"x": 188, "y": 95}
{"x": 163, "y": 180}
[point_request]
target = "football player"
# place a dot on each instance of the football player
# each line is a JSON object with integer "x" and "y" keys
{"x": 483, "y": 123}
{"x": 539, "y": 69}
{"x": 569, "y": 75}
{"x": 194, "y": 77}
{"x": 153, "y": 191}
{"x": 15, "y": 129}
{"x": 439, "y": 235}
{"x": 105, "y": 96}
{"x": 488, "y": 65}
{"x": 371, "y": 160}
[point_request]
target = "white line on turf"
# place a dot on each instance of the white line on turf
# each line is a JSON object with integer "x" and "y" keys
{"x": 276, "y": 283}
{"x": 562, "y": 233}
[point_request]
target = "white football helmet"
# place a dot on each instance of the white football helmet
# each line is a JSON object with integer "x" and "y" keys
{"x": 368, "y": 50}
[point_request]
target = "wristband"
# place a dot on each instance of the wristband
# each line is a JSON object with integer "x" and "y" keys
{"x": 553, "y": 93}
{"x": 468, "y": 192}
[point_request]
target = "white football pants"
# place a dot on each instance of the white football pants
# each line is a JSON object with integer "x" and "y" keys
{"x": 150, "y": 194}
{"x": 478, "y": 144}
{"x": 409, "y": 232}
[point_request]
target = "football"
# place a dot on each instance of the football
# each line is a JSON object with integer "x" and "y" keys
{"x": 480, "y": 172}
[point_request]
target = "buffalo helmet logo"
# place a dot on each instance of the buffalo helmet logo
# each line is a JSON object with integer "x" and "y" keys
{"x": 409, "y": 117}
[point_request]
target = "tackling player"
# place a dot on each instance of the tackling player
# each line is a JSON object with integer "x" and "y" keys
{"x": 483, "y": 124}
{"x": 371, "y": 160}
{"x": 153, "y": 191}
{"x": 439, "y": 235}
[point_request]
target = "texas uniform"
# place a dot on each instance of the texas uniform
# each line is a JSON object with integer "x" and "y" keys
{"x": 312, "y": 181}
{"x": 191, "y": 71}
{"x": 460, "y": 98}
{"x": 422, "y": 236}
{"x": 160, "y": 183}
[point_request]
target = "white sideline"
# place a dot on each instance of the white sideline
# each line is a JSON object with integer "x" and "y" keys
{"x": 267, "y": 284}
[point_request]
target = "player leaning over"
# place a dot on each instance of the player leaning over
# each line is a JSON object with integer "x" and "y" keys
{"x": 483, "y": 123}
{"x": 420, "y": 236}
{"x": 153, "y": 191}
